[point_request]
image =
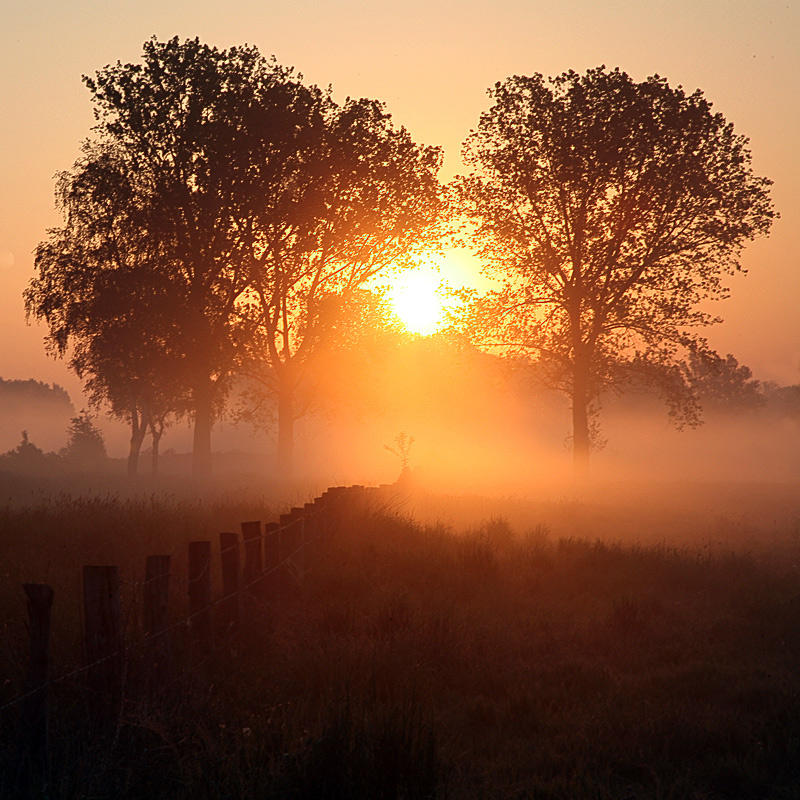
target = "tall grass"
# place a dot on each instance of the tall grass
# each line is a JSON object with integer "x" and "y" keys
{"x": 417, "y": 662}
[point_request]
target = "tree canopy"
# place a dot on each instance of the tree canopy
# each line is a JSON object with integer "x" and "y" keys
{"x": 354, "y": 198}
{"x": 104, "y": 292}
{"x": 610, "y": 210}
{"x": 223, "y": 205}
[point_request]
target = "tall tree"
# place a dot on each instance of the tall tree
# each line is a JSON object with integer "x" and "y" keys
{"x": 350, "y": 196}
{"x": 106, "y": 298}
{"x": 183, "y": 128}
{"x": 611, "y": 211}
{"x": 254, "y": 204}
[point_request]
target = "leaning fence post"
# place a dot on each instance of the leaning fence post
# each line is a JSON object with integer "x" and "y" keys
{"x": 103, "y": 638}
{"x": 200, "y": 594}
{"x": 40, "y": 604}
{"x": 229, "y": 555}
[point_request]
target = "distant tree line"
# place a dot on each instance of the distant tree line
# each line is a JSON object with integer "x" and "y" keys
{"x": 21, "y": 393}
{"x": 85, "y": 451}
{"x": 226, "y": 219}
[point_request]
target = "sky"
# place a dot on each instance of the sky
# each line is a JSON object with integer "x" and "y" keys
{"x": 431, "y": 62}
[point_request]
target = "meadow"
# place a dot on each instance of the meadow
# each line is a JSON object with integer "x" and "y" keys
{"x": 438, "y": 648}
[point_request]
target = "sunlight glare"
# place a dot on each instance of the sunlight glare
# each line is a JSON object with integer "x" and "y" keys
{"x": 417, "y": 300}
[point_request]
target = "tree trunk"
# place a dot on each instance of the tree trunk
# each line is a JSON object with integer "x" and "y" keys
{"x": 138, "y": 430}
{"x": 203, "y": 422}
{"x": 580, "y": 416}
{"x": 285, "y": 428}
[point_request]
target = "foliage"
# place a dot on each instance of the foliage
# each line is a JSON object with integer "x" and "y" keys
{"x": 42, "y": 409}
{"x": 224, "y": 210}
{"x": 336, "y": 376}
{"x": 784, "y": 400}
{"x": 349, "y": 197}
{"x": 85, "y": 446}
{"x": 102, "y": 290}
{"x": 723, "y": 383}
{"x": 169, "y": 172}
{"x": 611, "y": 211}
{"x": 30, "y": 391}
{"x": 28, "y": 459}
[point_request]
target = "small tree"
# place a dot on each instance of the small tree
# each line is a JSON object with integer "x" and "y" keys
{"x": 610, "y": 210}
{"x": 85, "y": 447}
{"x": 402, "y": 449}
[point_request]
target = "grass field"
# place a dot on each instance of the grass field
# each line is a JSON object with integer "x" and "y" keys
{"x": 423, "y": 660}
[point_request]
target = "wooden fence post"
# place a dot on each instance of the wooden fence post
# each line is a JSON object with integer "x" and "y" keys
{"x": 253, "y": 565}
{"x": 200, "y": 595}
{"x": 336, "y": 504}
{"x": 229, "y": 607}
{"x": 40, "y": 604}
{"x": 103, "y": 639}
{"x": 325, "y": 519}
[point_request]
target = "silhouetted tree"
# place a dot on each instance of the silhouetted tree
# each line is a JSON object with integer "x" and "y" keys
{"x": 723, "y": 383}
{"x": 85, "y": 447}
{"x": 172, "y": 158}
{"x": 611, "y": 210}
{"x": 348, "y": 196}
{"x": 402, "y": 449}
{"x": 783, "y": 400}
{"x": 222, "y": 172}
{"x": 103, "y": 291}
{"x": 138, "y": 385}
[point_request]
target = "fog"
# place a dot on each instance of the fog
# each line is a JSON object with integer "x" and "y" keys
{"x": 490, "y": 438}
{"x": 43, "y": 410}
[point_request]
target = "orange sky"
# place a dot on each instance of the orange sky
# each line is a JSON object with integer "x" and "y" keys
{"x": 431, "y": 62}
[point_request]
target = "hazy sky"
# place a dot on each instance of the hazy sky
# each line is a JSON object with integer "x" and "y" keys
{"x": 431, "y": 62}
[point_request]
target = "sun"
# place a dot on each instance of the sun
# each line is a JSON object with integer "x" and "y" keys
{"x": 416, "y": 297}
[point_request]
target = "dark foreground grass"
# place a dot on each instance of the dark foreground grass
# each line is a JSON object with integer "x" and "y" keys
{"x": 418, "y": 663}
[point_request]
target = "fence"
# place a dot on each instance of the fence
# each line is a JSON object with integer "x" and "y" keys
{"x": 273, "y": 553}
